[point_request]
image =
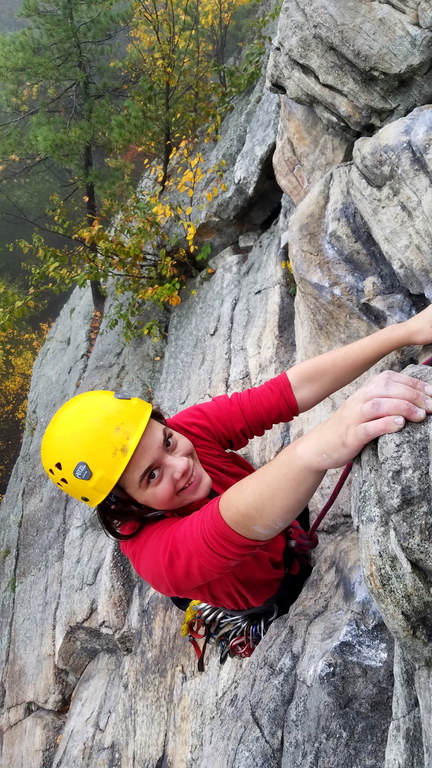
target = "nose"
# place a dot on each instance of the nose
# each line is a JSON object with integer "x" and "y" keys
{"x": 180, "y": 467}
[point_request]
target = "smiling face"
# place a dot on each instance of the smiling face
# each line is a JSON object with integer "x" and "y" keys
{"x": 165, "y": 472}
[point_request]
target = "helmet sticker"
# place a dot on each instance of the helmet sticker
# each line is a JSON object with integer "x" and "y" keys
{"x": 82, "y": 471}
{"x": 120, "y": 395}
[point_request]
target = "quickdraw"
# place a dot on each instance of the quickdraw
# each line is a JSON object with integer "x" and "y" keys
{"x": 235, "y": 634}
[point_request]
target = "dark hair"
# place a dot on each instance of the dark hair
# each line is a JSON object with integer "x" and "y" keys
{"x": 118, "y": 507}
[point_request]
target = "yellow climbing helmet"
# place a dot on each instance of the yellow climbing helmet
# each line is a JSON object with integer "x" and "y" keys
{"x": 90, "y": 440}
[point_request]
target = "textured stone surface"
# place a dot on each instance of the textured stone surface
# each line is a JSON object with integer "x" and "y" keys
{"x": 305, "y": 151}
{"x": 103, "y": 644}
{"x": 359, "y": 64}
{"x": 93, "y": 670}
{"x": 360, "y": 249}
{"x": 318, "y": 689}
{"x": 396, "y": 529}
{"x": 242, "y": 160}
{"x": 393, "y": 501}
{"x": 360, "y": 246}
{"x": 247, "y": 338}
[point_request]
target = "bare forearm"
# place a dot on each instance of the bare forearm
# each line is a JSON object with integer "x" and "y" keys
{"x": 265, "y": 503}
{"x": 315, "y": 379}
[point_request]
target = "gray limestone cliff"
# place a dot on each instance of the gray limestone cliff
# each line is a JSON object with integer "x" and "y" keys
{"x": 93, "y": 668}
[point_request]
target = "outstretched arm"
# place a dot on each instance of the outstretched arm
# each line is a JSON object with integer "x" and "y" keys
{"x": 265, "y": 503}
{"x": 315, "y": 379}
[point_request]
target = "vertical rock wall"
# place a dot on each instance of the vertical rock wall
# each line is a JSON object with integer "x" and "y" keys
{"x": 393, "y": 514}
{"x": 93, "y": 669}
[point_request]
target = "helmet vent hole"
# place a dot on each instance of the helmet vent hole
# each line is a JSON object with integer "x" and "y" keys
{"x": 59, "y": 466}
{"x": 52, "y": 471}
{"x": 63, "y": 480}
{"x": 59, "y": 485}
{"x": 84, "y": 498}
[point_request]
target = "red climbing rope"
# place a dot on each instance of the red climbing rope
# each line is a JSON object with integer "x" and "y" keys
{"x": 307, "y": 540}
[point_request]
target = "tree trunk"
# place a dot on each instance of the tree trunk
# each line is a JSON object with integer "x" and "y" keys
{"x": 96, "y": 289}
{"x": 90, "y": 192}
{"x": 167, "y": 139}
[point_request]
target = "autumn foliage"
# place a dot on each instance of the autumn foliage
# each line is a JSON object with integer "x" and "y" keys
{"x": 17, "y": 353}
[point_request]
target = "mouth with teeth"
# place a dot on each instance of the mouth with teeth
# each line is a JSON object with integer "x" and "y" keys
{"x": 190, "y": 481}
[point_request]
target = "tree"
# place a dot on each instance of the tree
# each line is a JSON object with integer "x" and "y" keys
{"x": 177, "y": 65}
{"x": 58, "y": 97}
{"x": 17, "y": 353}
{"x": 155, "y": 105}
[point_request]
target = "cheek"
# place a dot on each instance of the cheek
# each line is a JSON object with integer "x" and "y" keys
{"x": 184, "y": 446}
{"x": 161, "y": 497}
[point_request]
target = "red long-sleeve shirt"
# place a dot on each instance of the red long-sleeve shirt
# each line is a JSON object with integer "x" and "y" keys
{"x": 193, "y": 552}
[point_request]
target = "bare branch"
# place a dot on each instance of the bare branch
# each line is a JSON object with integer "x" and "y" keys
{"x": 37, "y": 109}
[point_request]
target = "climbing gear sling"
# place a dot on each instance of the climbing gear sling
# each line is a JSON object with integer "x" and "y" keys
{"x": 237, "y": 633}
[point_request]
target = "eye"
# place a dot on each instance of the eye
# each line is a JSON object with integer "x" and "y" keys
{"x": 169, "y": 442}
{"x": 153, "y": 475}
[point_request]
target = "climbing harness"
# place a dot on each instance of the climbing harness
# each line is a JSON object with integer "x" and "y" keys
{"x": 237, "y": 633}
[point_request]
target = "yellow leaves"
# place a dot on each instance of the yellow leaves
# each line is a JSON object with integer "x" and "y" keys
{"x": 211, "y": 194}
{"x": 174, "y": 300}
{"x": 162, "y": 212}
{"x": 286, "y": 265}
{"x": 190, "y": 230}
{"x": 18, "y": 351}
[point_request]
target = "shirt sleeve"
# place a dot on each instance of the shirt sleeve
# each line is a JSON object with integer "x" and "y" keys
{"x": 176, "y": 555}
{"x": 233, "y": 420}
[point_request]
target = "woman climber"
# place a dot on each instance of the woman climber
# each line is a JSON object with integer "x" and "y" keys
{"x": 194, "y": 518}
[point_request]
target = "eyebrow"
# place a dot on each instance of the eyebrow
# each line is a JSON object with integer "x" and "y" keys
{"x": 150, "y": 466}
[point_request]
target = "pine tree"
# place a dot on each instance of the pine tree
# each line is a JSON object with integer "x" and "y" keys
{"x": 58, "y": 95}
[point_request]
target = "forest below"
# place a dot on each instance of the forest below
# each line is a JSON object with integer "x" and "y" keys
{"x": 105, "y": 107}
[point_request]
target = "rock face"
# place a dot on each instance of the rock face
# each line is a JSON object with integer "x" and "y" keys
{"x": 360, "y": 64}
{"x": 94, "y": 671}
{"x": 304, "y": 149}
{"x": 393, "y": 503}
